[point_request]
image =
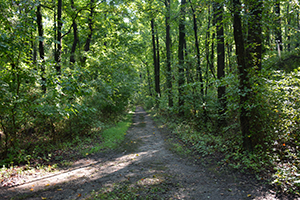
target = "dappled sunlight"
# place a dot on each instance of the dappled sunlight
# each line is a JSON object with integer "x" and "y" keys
{"x": 142, "y": 169}
{"x": 88, "y": 169}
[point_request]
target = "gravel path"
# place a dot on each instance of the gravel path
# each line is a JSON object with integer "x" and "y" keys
{"x": 145, "y": 161}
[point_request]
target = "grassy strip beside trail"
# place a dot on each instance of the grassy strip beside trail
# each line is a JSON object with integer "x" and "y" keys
{"x": 112, "y": 137}
{"x": 63, "y": 154}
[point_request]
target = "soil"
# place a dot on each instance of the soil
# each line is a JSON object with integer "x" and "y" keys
{"x": 145, "y": 166}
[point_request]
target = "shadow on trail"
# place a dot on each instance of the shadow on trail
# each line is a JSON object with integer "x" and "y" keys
{"x": 144, "y": 168}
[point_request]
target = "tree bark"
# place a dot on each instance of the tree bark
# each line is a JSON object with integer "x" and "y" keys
{"x": 220, "y": 60}
{"x": 156, "y": 73}
{"x": 278, "y": 31}
{"x": 254, "y": 50}
{"x": 212, "y": 54}
{"x": 287, "y": 31}
{"x": 198, "y": 67}
{"x": 149, "y": 80}
{"x": 75, "y": 35}
{"x": 158, "y": 64}
{"x": 39, "y": 20}
{"x": 91, "y": 30}
{"x": 207, "y": 48}
{"x": 168, "y": 51}
{"x": 181, "y": 57}
{"x": 58, "y": 39}
{"x": 243, "y": 75}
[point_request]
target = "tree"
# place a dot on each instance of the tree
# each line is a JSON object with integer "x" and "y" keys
{"x": 278, "y": 32}
{"x": 168, "y": 52}
{"x": 155, "y": 60}
{"x": 198, "y": 67}
{"x": 90, "y": 33}
{"x": 243, "y": 75}
{"x": 75, "y": 35}
{"x": 220, "y": 60}
{"x": 181, "y": 63}
{"x": 58, "y": 37}
{"x": 39, "y": 21}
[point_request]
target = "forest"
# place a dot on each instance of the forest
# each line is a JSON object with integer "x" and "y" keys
{"x": 224, "y": 75}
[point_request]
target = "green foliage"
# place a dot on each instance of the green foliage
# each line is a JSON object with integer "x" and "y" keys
{"x": 112, "y": 137}
{"x": 78, "y": 98}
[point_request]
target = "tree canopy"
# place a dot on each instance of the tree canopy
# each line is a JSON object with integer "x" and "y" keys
{"x": 227, "y": 68}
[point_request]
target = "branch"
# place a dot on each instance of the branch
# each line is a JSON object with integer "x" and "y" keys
{"x": 73, "y": 21}
{"x": 47, "y": 7}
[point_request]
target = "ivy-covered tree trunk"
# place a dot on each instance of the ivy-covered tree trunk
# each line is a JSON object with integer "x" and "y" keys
{"x": 220, "y": 61}
{"x": 243, "y": 75}
{"x": 254, "y": 49}
{"x": 168, "y": 52}
{"x": 181, "y": 79}
{"x": 253, "y": 57}
{"x": 41, "y": 45}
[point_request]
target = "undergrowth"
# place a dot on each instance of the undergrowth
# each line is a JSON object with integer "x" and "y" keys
{"x": 48, "y": 157}
{"x": 276, "y": 107}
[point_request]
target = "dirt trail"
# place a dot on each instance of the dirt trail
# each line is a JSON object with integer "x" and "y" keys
{"x": 143, "y": 161}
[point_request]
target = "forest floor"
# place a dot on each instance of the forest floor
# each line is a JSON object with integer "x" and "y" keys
{"x": 145, "y": 166}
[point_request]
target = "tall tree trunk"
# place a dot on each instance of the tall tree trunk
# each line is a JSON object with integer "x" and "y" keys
{"x": 158, "y": 64}
{"x": 75, "y": 39}
{"x": 168, "y": 50}
{"x": 91, "y": 30}
{"x": 243, "y": 75}
{"x": 156, "y": 75}
{"x": 254, "y": 50}
{"x": 212, "y": 54}
{"x": 220, "y": 60}
{"x": 207, "y": 48}
{"x": 39, "y": 21}
{"x": 34, "y": 50}
{"x": 149, "y": 80}
{"x": 298, "y": 25}
{"x": 287, "y": 31}
{"x": 253, "y": 57}
{"x": 278, "y": 32}
{"x": 198, "y": 67}
{"x": 181, "y": 57}
{"x": 58, "y": 39}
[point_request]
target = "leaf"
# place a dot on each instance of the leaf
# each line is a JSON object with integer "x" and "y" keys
{"x": 31, "y": 189}
{"x": 47, "y": 184}
{"x": 44, "y": 198}
{"x": 59, "y": 189}
{"x": 249, "y": 195}
{"x": 79, "y": 195}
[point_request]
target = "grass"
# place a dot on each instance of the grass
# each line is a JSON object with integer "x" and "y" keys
{"x": 112, "y": 137}
{"x": 63, "y": 154}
